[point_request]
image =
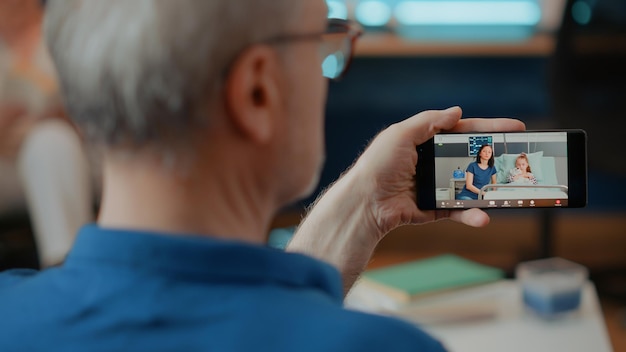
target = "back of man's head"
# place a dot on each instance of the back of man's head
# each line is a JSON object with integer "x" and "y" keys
{"x": 146, "y": 73}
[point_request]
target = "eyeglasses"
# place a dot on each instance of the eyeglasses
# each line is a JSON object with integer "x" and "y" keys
{"x": 337, "y": 45}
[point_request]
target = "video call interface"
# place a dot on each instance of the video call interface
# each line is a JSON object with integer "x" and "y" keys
{"x": 529, "y": 170}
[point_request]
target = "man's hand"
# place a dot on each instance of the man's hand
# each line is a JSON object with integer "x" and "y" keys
{"x": 378, "y": 193}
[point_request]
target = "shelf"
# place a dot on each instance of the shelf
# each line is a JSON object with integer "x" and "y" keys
{"x": 389, "y": 44}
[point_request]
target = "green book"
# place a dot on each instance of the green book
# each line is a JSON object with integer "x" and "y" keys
{"x": 406, "y": 281}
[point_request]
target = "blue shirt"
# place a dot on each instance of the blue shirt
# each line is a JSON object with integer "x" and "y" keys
{"x": 137, "y": 291}
{"x": 481, "y": 178}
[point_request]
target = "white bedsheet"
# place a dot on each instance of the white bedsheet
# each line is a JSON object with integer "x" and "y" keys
{"x": 524, "y": 194}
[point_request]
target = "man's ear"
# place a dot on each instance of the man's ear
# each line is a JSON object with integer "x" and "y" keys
{"x": 253, "y": 93}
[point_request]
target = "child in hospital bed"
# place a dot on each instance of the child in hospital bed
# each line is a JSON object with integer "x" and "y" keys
{"x": 521, "y": 173}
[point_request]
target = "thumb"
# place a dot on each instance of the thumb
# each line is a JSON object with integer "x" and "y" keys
{"x": 426, "y": 124}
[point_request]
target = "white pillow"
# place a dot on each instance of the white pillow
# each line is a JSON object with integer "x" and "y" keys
{"x": 505, "y": 162}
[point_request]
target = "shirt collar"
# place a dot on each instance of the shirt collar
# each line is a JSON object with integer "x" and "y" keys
{"x": 200, "y": 258}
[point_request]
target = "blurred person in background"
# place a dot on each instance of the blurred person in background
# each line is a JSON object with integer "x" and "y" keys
{"x": 43, "y": 167}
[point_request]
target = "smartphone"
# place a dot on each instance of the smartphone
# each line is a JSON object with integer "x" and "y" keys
{"x": 530, "y": 169}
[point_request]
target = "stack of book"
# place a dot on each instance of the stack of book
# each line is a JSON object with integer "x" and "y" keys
{"x": 428, "y": 290}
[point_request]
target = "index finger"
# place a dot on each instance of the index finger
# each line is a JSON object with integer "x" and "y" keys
{"x": 488, "y": 125}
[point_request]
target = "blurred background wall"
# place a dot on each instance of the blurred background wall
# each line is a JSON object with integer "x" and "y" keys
{"x": 563, "y": 69}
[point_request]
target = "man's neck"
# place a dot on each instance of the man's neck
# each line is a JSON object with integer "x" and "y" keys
{"x": 148, "y": 196}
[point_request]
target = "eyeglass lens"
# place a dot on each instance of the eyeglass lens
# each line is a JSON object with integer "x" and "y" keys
{"x": 335, "y": 55}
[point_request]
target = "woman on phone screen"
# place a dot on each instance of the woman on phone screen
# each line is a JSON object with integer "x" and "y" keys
{"x": 478, "y": 173}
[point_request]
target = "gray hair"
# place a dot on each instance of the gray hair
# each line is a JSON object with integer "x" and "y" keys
{"x": 137, "y": 73}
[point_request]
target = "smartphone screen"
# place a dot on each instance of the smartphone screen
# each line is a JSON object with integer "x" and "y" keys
{"x": 531, "y": 169}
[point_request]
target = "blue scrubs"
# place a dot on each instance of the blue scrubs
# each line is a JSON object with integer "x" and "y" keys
{"x": 481, "y": 178}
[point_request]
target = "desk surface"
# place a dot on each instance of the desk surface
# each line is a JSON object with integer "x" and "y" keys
{"x": 496, "y": 320}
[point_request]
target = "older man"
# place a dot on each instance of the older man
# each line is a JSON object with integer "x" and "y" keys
{"x": 210, "y": 118}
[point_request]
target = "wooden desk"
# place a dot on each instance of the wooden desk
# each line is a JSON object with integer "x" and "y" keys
{"x": 508, "y": 326}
